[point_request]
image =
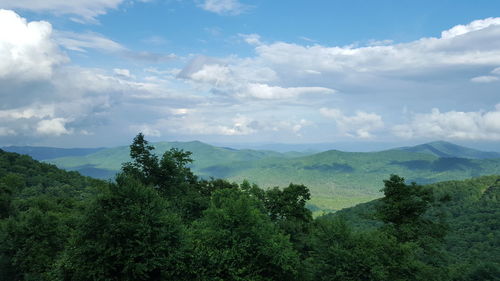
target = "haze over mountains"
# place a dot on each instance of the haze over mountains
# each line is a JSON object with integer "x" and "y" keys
{"x": 337, "y": 179}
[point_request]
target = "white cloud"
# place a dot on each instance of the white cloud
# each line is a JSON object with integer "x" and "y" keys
{"x": 274, "y": 94}
{"x": 266, "y": 92}
{"x": 238, "y": 79}
{"x": 484, "y": 79}
{"x": 223, "y": 7}
{"x": 473, "y": 26}
{"x": 380, "y": 42}
{"x": 214, "y": 74}
{"x": 477, "y": 45}
{"x": 53, "y": 127}
{"x": 81, "y": 42}
{"x": 121, "y": 72}
{"x": 252, "y": 39}
{"x": 472, "y": 125}
{"x": 37, "y": 111}
{"x": 26, "y": 49}
{"x": 85, "y": 10}
{"x": 146, "y": 129}
{"x": 198, "y": 125}
{"x": 84, "y": 41}
{"x": 202, "y": 123}
{"x": 359, "y": 125}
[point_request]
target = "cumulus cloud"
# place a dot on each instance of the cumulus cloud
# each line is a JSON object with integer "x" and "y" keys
{"x": 223, "y": 7}
{"x": 243, "y": 81}
{"x": 214, "y": 74}
{"x": 474, "y": 44}
{"x": 195, "y": 123}
{"x": 44, "y": 96}
{"x": 361, "y": 124}
{"x": 275, "y": 93}
{"x": 53, "y": 127}
{"x": 282, "y": 70}
{"x": 472, "y": 125}
{"x": 266, "y": 92}
{"x": 473, "y": 26}
{"x": 26, "y": 49}
{"x": 84, "y": 10}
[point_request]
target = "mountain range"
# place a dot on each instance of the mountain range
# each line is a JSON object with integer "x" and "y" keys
{"x": 336, "y": 179}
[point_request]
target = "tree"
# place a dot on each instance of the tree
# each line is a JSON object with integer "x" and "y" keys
{"x": 170, "y": 175}
{"x": 234, "y": 240}
{"x": 402, "y": 210}
{"x": 126, "y": 233}
{"x": 145, "y": 165}
{"x": 31, "y": 241}
{"x": 287, "y": 208}
{"x": 340, "y": 254}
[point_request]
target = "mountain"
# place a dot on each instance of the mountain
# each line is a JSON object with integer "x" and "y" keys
{"x": 446, "y": 149}
{"x": 44, "y": 153}
{"x": 336, "y": 179}
{"x": 470, "y": 208}
{"x": 341, "y": 179}
{"x": 106, "y": 162}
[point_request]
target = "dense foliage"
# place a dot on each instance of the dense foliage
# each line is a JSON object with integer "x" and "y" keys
{"x": 336, "y": 179}
{"x": 158, "y": 221}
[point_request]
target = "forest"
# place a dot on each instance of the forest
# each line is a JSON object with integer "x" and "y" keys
{"x": 158, "y": 221}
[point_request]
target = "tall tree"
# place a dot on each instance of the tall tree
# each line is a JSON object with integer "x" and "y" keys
{"x": 126, "y": 233}
{"x": 144, "y": 165}
{"x": 403, "y": 210}
{"x": 234, "y": 240}
{"x": 287, "y": 208}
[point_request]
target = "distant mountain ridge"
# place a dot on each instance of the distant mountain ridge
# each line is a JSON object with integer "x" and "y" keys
{"x": 447, "y": 149}
{"x": 337, "y": 179}
{"x": 106, "y": 162}
{"x": 44, "y": 153}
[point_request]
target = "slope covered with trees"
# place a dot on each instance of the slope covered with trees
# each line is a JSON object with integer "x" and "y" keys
{"x": 471, "y": 210}
{"x": 336, "y": 179}
{"x": 158, "y": 221}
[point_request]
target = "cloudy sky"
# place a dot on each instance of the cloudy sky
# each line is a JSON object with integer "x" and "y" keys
{"x": 86, "y": 73}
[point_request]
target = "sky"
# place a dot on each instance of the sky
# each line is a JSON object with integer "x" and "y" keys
{"x": 93, "y": 73}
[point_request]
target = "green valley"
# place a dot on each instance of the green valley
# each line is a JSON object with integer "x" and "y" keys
{"x": 336, "y": 179}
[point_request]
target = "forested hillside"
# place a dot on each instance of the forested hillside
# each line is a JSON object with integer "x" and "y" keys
{"x": 471, "y": 210}
{"x": 336, "y": 179}
{"x": 158, "y": 221}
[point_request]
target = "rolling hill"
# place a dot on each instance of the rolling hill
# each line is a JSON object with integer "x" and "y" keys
{"x": 336, "y": 179}
{"x": 446, "y": 149}
{"x": 44, "y": 153}
{"x": 471, "y": 210}
{"x": 106, "y": 162}
{"x": 342, "y": 179}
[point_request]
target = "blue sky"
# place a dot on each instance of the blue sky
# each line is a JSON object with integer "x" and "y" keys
{"x": 96, "y": 72}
